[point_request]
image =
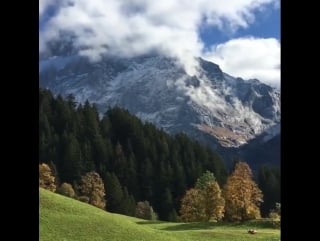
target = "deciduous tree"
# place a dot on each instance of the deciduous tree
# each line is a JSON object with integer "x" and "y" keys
{"x": 91, "y": 186}
{"x": 192, "y": 206}
{"x": 242, "y": 195}
{"x": 214, "y": 202}
{"x": 204, "y": 202}
{"x": 46, "y": 178}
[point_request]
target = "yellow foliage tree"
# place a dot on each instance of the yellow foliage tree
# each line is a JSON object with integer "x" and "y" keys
{"x": 214, "y": 202}
{"x": 242, "y": 195}
{"x": 192, "y": 206}
{"x": 92, "y": 186}
{"x": 46, "y": 178}
{"x": 203, "y": 202}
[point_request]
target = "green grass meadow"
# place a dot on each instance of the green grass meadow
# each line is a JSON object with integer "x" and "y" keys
{"x": 65, "y": 219}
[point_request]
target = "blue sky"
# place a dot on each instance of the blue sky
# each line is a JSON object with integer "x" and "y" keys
{"x": 223, "y": 32}
{"x": 267, "y": 24}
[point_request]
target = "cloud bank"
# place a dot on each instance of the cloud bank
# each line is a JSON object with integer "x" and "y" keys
{"x": 249, "y": 58}
{"x": 133, "y": 27}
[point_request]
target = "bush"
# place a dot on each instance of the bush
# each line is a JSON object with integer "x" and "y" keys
{"x": 154, "y": 215}
{"x": 66, "y": 190}
{"x": 265, "y": 223}
{"x": 84, "y": 199}
{"x": 145, "y": 211}
{"x": 276, "y": 212}
{"x": 274, "y": 215}
{"x": 276, "y": 223}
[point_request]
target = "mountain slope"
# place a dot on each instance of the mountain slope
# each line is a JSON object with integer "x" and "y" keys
{"x": 212, "y": 106}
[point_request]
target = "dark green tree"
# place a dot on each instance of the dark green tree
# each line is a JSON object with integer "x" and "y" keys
{"x": 147, "y": 161}
{"x": 114, "y": 195}
{"x": 204, "y": 180}
{"x": 71, "y": 162}
{"x": 128, "y": 204}
{"x": 269, "y": 183}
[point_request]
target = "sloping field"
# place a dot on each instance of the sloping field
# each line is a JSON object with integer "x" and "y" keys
{"x": 65, "y": 219}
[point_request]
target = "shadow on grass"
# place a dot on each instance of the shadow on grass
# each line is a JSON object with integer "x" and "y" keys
{"x": 210, "y": 225}
{"x": 199, "y": 226}
{"x": 189, "y": 226}
{"x": 150, "y": 222}
{"x": 265, "y": 223}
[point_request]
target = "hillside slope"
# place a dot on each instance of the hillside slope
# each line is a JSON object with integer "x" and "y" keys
{"x": 65, "y": 219}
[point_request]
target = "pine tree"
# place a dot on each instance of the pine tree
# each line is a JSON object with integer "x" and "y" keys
{"x": 269, "y": 183}
{"x": 91, "y": 121}
{"x": 131, "y": 180}
{"x": 71, "y": 164}
{"x": 145, "y": 179}
{"x": 120, "y": 162}
{"x": 128, "y": 204}
{"x": 115, "y": 194}
{"x": 99, "y": 153}
{"x": 242, "y": 195}
{"x": 166, "y": 204}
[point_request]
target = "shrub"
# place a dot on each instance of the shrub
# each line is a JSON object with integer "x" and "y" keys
{"x": 66, "y": 190}
{"x": 145, "y": 211}
{"x": 84, "y": 199}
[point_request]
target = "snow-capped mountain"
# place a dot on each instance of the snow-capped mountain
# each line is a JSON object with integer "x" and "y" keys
{"x": 211, "y": 106}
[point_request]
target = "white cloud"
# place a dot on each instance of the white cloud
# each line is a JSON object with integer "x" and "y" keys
{"x": 249, "y": 58}
{"x": 133, "y": 27}
{"x": 43, "y": 4}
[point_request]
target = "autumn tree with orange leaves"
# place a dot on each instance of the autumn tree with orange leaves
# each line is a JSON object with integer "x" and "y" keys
{"x": 46, "y": 178}
{"x": 192, "y": 206}
{"x": 242, "y": 195}
{"x": 92, "y": 187}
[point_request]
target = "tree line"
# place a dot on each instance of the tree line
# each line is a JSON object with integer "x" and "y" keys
{"x": 239, "y": 200}
{"x": 136, "y": 161}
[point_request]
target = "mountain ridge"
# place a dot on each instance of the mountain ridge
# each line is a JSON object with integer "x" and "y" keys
{"x": 212, "y": 104}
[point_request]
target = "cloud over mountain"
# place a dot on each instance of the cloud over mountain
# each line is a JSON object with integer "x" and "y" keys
{"x": 249, "y": 58}
{"x": 133, "y": 27}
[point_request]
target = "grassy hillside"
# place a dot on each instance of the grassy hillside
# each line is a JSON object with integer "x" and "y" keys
{"x": 65, "y": 219}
